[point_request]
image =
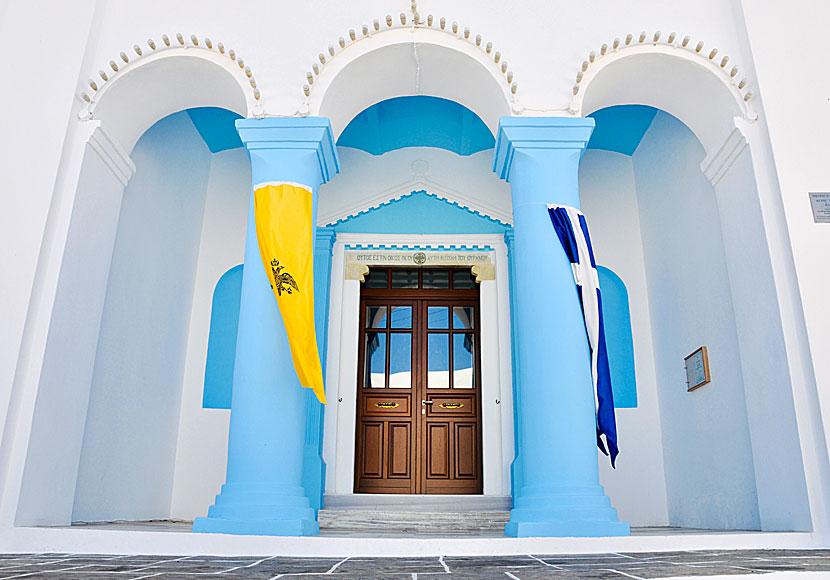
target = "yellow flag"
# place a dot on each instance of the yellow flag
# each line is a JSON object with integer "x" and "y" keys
{"x": 284, "y": 231}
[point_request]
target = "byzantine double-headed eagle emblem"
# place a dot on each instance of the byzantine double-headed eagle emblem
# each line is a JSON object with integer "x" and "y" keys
{"x": 283, "y": 280}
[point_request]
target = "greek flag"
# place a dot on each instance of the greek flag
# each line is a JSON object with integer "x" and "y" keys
{"x": 572, "y": 229}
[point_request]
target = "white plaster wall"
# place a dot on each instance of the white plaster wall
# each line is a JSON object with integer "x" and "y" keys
{"x": 790, "y": 60}
{"x": 539, "y": 39}
{"x": 779, "y": 469}
{"x": 30, "y": 166}
{"x": 544, "y": 51}
{"x": 126, "y": 466}
{"x": 74, "y": 324}
{"x": 202, "y": 448}
{"x": 608, "y": 196}
{"x": 366, "y": 180}
{"x": 707, "y": 453}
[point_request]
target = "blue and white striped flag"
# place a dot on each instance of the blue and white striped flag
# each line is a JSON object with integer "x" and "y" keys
{"x": 572, "y": 230}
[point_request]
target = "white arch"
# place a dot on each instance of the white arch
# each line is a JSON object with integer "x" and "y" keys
{"x": 690, "y": 87}
{"x": 404, "y": 62}
{"x": 164, "y": 83}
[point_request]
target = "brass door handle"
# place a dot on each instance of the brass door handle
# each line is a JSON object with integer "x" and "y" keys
{"x": 426, "y": 402}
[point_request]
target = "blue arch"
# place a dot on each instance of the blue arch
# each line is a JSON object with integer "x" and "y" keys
{"x": 417, "y": 121}
{"x": 621, "y": 128}
{"x": 618, "y": 338}
{"x": 224, "y": 322}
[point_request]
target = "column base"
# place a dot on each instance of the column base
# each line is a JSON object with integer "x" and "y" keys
{"x": 567, "y": 529}
{"x": 261, "y": 510}
{"x": 564, "y": 511}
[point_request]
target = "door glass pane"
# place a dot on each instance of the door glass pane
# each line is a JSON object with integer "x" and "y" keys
{"x": 400, "y": 360}
{"x": 377, "y": 279}
{"x": 437, "y": 317}
{"x": 401, "y": 317}
{"x": 463, "y": 376}
{"x": 404, "y": 278}
{"x": 375, "y": 365}
{"x": 376, "y": 317}
{"x": 436, "y": 279}
{"x": 438, "y": 358}
{"x": 463, "y": 317}
{"x": 463, "y": 279}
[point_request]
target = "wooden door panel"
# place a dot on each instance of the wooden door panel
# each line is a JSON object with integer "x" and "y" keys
{"x": 387, "y": 405}
{"x": 466, "y": 450}
{"x": 415, "y": 439}
{"x": 438, "y": 450}
{"x": 447, "y": 406}
{"x": 372, "y": 450}
{"x": 400, "y": 445}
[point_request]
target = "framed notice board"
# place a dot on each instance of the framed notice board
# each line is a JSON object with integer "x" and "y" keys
{"x": 697, "y": 369}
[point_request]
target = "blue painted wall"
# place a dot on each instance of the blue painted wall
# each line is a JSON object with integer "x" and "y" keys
{"x": 420, "y": 213}
{"x": 216, "y": 127}
{"x": 417, "y": 121}
{"x": 224, "y": 322}
{"x": 618, "y": 338}
{"x": 621, "y": 128}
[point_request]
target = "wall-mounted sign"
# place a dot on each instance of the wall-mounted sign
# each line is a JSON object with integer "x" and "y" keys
{"x": 427, "y": 258}
{"x": 820, "y": 201}
{"x": 697, "y": 369}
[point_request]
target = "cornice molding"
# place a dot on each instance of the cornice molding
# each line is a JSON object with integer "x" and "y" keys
{"x": 718, "y": 163}
{"x": 112, "y": 154}
{"x": 421, "y": 185}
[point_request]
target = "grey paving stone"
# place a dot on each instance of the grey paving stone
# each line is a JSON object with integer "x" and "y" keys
{"x": 523, "y": 567}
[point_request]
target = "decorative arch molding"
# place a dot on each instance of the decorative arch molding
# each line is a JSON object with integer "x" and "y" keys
{"x": 684, "y": 49}
{"x": 213, "y": 74}
{"x": 415, "y": 191}
{"x": 400, "y": 60}
{"x": 704, "y": 95}
{"x": 412, "y": 22}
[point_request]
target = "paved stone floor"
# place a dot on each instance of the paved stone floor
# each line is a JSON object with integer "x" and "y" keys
{"x": 529, "y": 567}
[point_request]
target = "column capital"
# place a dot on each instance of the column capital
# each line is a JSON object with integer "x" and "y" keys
{"x": 293, "y": 133}
{"x": 324, "y": 240}
{"x": 538, "y": 133}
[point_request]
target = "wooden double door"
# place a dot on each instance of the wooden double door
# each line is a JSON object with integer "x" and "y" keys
{"x": 419, "y": 395}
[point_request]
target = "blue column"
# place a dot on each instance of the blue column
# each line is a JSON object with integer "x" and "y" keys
{"x": 314, "y": 468}
{"x": 263, "y": 493}
{"x": 560, "y": 493}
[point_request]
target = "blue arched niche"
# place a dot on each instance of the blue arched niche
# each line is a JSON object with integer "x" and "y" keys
{"x": 224, "y": 323}
{"x": 618, "y": 338}
{"x": 417, "y": 121}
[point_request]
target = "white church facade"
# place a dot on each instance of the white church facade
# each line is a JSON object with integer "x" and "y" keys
{"x": 146, "y": 373}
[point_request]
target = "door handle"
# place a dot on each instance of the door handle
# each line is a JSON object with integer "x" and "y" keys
{"x": 426, "y": 402}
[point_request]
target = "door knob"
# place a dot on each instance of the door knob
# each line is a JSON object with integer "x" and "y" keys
{"x": 426, "y": 402}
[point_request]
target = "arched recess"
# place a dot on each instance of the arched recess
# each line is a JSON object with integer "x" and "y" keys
{"x": 668, "y": 79}
{"x": 699, "y": 95}
{"x": 163, "y": 84}
{"x": 79, "y": 248}
{"x": 409, "y": 62}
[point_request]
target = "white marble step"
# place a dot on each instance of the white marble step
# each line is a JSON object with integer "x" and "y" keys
{"x": 412, "y": 521}
{"x": 417, "y": 503}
